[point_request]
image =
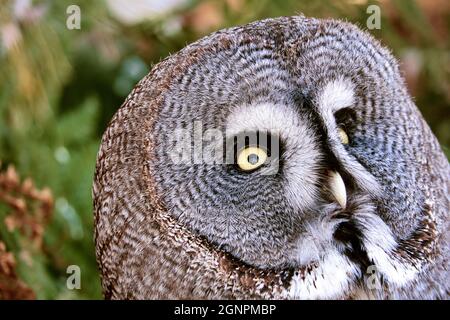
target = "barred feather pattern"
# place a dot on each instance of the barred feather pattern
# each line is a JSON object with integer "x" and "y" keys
{"x": 152, "y": 244}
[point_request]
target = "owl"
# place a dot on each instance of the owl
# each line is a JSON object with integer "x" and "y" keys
{"x": 283, "y": 159}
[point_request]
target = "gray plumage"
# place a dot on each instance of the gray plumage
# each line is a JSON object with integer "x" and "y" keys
{"x": 198, "y": 230}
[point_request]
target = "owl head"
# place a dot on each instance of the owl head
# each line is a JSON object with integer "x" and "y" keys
{"x": 281, "y": 159}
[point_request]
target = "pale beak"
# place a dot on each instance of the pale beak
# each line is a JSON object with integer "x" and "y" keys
{"x": 337, "y": 188}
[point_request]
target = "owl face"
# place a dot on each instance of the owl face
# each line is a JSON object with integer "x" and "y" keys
{"x": 274, "y": 150}
{"x": 288, "y": 144}
{"x": 258, "y": 186}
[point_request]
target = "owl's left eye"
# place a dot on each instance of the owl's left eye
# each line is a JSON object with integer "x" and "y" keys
{"x": 251, "y": 158}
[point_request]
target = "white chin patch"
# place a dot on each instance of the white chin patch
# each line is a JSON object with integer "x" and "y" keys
{"x": 334, "y": 274}
{"x": 333, "y": 278}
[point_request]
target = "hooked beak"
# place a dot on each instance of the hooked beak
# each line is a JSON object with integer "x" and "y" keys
{"x": 337, "y": 188}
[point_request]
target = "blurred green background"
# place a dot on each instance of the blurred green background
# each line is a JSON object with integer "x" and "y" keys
{"x": 60, "y": 87}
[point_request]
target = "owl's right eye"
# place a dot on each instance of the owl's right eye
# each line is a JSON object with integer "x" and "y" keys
{"x": 346, "y": 121}
{"x": 251, "y": 158}
{"x": 343, "y": 136}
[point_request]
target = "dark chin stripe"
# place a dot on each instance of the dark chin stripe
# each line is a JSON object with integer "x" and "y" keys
{"x": 351, "y": 236}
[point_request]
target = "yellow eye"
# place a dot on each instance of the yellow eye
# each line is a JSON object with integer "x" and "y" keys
{"x": 343, "y": 136}
{"x": 251, "y": 158}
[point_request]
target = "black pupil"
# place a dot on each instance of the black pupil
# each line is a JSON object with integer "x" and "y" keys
{"x": 253, "y": 159}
